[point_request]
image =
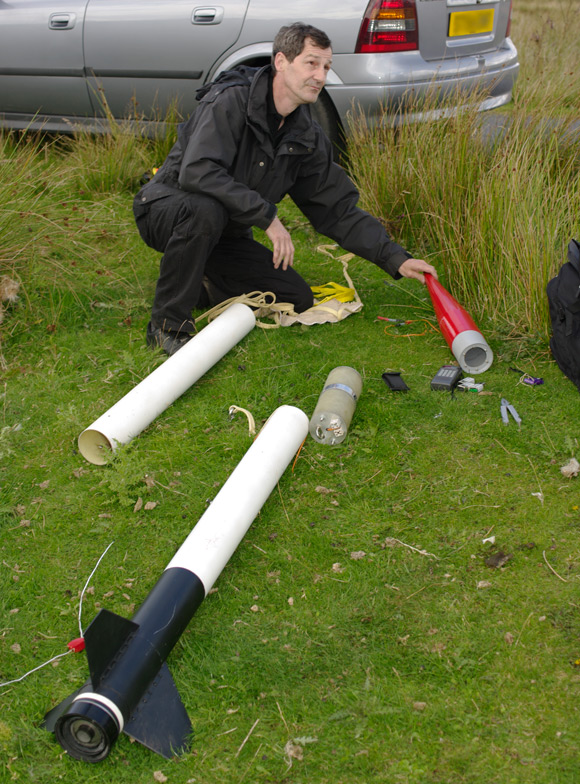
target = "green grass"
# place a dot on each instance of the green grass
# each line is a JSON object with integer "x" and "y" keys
{"x": 346, "y": 667}
{"x": 363, "y": 623}
{"x": 547, "y": 53}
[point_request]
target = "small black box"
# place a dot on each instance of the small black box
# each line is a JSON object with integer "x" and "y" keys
{"x": 395, "y": 381}
{"x": 446, "y": 378}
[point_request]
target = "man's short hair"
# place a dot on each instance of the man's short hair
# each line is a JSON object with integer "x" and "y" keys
{"x": 290, "y": 40}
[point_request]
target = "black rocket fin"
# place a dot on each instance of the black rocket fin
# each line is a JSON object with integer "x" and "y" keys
{"x": 104, "y": 637}
{"x": 53, "y": 714}
{"x": 160, "y": 721}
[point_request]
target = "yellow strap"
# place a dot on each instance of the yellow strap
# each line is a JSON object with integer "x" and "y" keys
{"x": 332, "y": 290}
{"x": 344, "y": 259}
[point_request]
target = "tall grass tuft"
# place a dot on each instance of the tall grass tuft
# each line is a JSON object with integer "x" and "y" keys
{"x": 107, "y": 163}
{"x": 492, "y": 205}
{"x": 545, "y": 33}
{"x": 56, "y": 236}
{"x": 32, "y": 237}
{"x": 114, "y": 162}
{"x": 22, "y": 187}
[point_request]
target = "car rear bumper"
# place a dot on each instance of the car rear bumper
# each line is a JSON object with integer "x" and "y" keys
{"x": 379, "y": 83}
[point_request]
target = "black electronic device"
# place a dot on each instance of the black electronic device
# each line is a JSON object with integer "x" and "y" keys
{"x": 394, "y": 381}
{"x": 446, "y": 378}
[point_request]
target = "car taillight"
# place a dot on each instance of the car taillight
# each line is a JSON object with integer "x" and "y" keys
{"x": 509, "y": 24}
{"x": 389, "y": 26}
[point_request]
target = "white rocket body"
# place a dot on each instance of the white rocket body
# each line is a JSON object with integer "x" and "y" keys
{"x": 130, "y": 415}
{"x": 130, "y": 688}
{"x": 218, "y": 532}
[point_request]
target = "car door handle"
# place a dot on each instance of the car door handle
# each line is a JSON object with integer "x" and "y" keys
{"x": 62, "y": 21}
{"x": 207, "y": 15}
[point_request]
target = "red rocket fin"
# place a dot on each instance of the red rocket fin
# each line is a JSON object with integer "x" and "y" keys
{"x": 160, "y": 721}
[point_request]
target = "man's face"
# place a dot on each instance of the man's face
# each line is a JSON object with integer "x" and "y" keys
{"x": 304, "y": 77}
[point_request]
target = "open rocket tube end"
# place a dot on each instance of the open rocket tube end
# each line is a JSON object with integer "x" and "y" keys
{"x": 95, "y": 447}
{"x": 87, "y": 730}
{"x": 472, "y": 352}
{"x": 157, "y": 391}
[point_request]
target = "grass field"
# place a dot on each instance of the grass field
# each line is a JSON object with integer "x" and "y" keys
{"x": 405, "y": 607}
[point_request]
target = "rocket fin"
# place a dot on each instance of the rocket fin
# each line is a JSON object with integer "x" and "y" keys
{"x": 54, "y": 714}
{"x": 104, "y": 637}
{"x": 160, "y": 721}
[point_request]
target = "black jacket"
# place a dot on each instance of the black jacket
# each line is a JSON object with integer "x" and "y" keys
{"x": 225, "y": 150}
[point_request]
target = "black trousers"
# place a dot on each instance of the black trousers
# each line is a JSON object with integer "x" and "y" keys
{"x": 196, "y": 238}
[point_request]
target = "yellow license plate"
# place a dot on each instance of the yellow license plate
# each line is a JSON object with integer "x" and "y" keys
{"x": 471, "y": 22}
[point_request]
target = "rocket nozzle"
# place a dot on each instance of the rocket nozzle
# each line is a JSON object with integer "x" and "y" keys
{"x": 87, "y": 730}
{"x": 472, "y": 351}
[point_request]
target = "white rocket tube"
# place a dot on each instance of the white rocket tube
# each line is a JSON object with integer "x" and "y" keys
{"x": 130, "y": 415}
{"x": 221, "y": 528}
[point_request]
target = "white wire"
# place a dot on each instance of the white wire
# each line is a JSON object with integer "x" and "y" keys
{"x": 60, "y": 655}
{"x": 40, "y": 666}
{"x": 87, "y": 585}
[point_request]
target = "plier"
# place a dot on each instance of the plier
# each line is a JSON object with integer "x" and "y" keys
{"x": 505, "y": 407}
{"x": 399, "y": 322}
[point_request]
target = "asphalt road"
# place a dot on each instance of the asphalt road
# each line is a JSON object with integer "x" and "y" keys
{"x": 494, "y": 125}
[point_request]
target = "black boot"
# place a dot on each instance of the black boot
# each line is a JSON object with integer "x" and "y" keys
{"x": 167, "y": 340}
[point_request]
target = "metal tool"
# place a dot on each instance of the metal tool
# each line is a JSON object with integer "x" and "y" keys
{"x": 507, "y": 407}
{"x": 470, "y": 385}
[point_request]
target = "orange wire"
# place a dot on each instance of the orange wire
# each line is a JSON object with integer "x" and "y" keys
{"x": 298, "y": 454}
{"x": 410, "y": 334}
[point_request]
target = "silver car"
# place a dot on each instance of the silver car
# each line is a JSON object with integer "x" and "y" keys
{"x": 58, "y": 61}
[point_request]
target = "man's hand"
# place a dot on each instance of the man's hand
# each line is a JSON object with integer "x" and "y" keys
{"x": 414, "y": 268}
{"x": 282, "y": 244}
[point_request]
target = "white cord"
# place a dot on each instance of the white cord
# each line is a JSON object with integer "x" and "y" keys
{"x": 87, "y": 585}
{"x": 251, "y": 423}
{"x": 60, "y": 655}
{"x": 40, "y": 666}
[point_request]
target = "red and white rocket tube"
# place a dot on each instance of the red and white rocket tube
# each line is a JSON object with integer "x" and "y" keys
{"x": 466, "y": 342}
{"x": 130, "y": 688}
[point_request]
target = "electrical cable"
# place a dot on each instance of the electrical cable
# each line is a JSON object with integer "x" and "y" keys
{"x": 77, "y": 645}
